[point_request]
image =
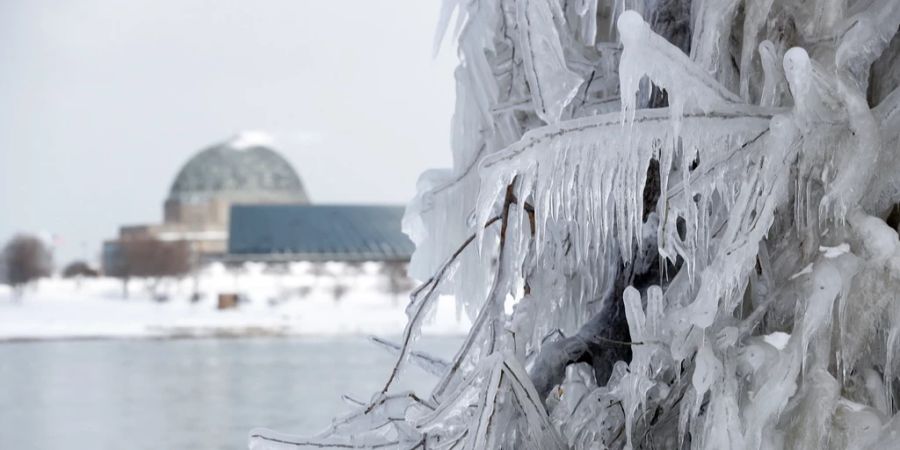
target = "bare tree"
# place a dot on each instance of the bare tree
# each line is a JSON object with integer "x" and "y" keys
{"x": 397, "y": 279}
{"x": 151, "y": 258}
{"x": 79, "y": 269}
{"x": 26, "y": 258}
{"x": 339, "y": 290}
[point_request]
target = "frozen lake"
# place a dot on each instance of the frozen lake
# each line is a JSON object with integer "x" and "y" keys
{"x": 184, "y": 394}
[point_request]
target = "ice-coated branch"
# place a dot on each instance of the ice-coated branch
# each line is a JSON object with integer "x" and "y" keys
{"x": 585, "y": 128}
{"x": 489, "y": 309}
{"x": 420, "y": 299}
{"x": 431, "y": 364}
{"x": 600, "y": 342}
{"x": 867, "y": 34}
{"x": 265, "y": 439}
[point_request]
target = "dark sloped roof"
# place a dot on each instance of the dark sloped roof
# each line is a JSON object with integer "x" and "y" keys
{"x": 318, "y": 233}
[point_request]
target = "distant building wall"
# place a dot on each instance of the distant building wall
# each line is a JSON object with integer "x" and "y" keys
{"x": 111, "y": 257}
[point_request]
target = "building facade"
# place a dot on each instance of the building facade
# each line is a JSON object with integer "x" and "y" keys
{"x": 242, "y": 170}
{"x": 241, "y": 201}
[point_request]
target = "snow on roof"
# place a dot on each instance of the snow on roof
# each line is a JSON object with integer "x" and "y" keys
{"x": 251, "y": 138}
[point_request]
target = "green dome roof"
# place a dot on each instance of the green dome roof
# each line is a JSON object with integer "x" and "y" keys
{"x": 245, "y": 165}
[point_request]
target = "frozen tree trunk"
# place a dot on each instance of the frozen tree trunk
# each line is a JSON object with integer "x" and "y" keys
{"x": 666, "y": 220}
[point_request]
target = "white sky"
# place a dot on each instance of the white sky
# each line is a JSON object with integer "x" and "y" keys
{"x": 101, "y": 101}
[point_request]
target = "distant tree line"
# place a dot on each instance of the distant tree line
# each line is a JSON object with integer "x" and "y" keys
{"x": 26, "y": 258}
{"x": 150, "y": 258}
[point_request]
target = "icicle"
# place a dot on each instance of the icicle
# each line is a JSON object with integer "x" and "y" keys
{"x": 552, "y": 84}
{"x": 755, "y": 15}
{"x": 773, "y": 77}
{"x": 811, "y": 415}
{"x": 647, "y": 54}
{"x": 712, "y": 33}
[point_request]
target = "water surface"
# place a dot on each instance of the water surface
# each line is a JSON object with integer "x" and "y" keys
{"x": 184, "y": 394}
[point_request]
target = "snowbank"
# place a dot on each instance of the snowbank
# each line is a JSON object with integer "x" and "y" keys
{"x": 297, "y": 300}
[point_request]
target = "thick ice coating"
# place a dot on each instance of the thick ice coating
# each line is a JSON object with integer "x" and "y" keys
{"x": 671, "y": 229}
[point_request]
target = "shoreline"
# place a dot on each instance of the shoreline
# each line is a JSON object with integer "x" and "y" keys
{"x": 271, "y": 306}
{"x": 221, "y": 335}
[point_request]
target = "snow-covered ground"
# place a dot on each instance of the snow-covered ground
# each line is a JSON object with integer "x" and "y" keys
{"x": 302, "y": 299}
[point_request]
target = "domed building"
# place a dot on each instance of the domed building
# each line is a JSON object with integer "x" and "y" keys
{"x": 241, "y": 201}
{"x": 242, "y": 170}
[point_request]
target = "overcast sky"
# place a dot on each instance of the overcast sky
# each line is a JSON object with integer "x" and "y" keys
{"x": 101, "y": 102}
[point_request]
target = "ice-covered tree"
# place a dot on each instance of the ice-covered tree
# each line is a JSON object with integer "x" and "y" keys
{"x": 670, "y": 221}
